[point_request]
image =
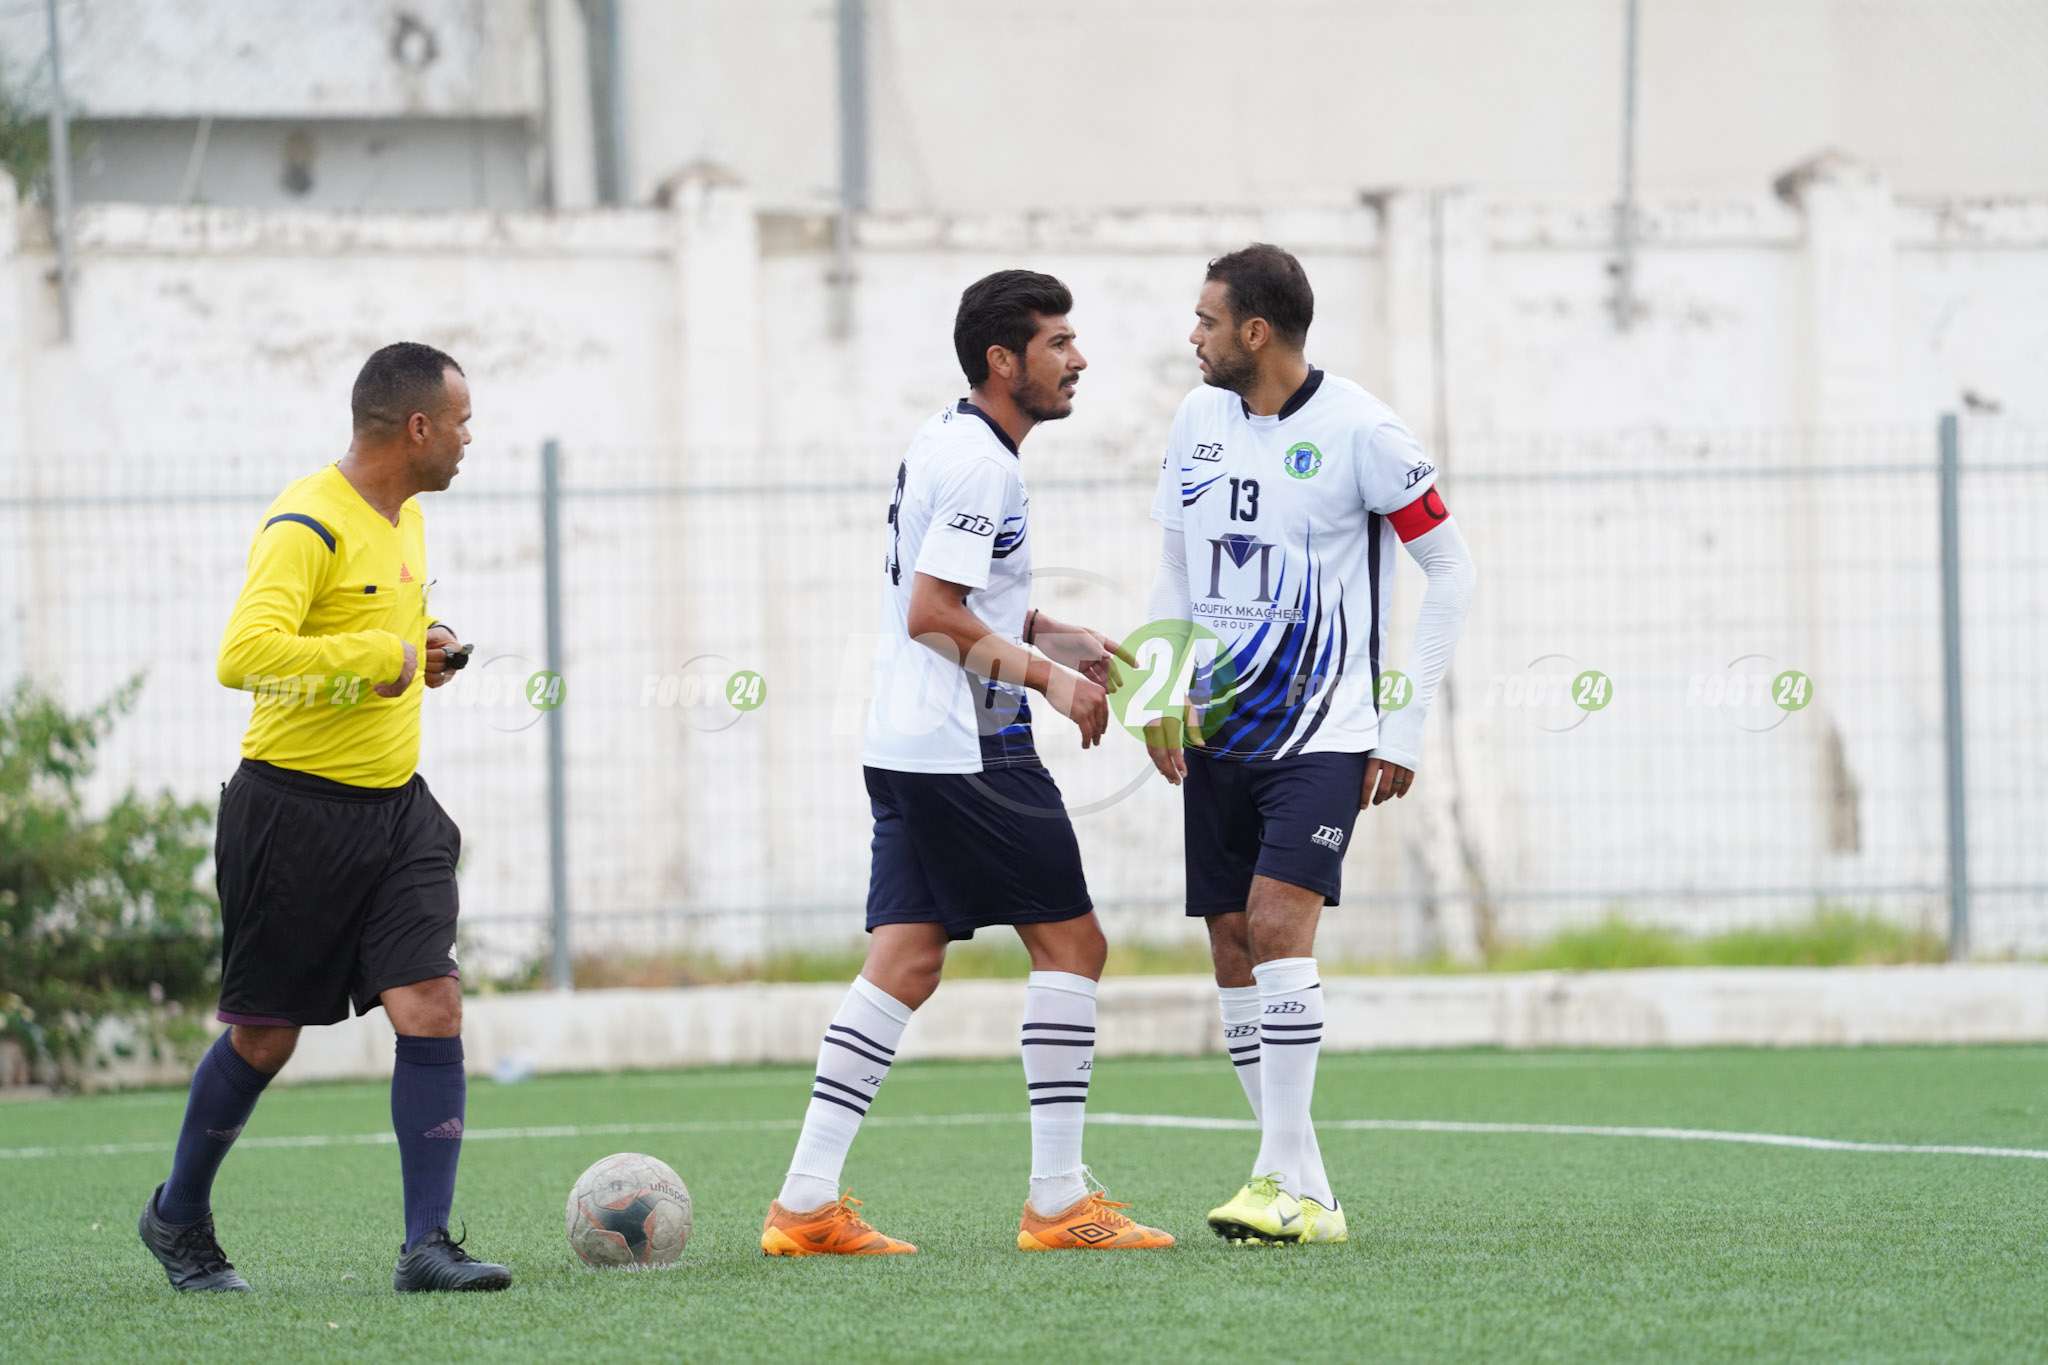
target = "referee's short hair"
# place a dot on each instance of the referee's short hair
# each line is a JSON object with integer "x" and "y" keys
{"x": 1003, "y": 310}
{"x": 1264, "y": 281}
{"x": 397, "y": 381}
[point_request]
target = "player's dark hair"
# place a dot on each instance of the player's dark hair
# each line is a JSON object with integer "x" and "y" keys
{"x": 397, "y": 381}
{"x": 1265, "y": 282}
{"x": 1003, "y": 310}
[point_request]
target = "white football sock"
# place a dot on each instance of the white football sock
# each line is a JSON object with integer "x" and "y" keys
{"x": 1241, "y": 1037}
{"x": 853, "y": 1061}
{"x": 1058, "y": 1043}
{"x": 1290, "y": 1037}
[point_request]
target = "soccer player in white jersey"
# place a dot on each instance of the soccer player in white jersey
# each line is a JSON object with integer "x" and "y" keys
{"x": 1282, "y": 493}
{"x": 970, "y": 830}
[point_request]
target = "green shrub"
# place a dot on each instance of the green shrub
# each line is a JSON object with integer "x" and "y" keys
{"x": 101, "y": 917}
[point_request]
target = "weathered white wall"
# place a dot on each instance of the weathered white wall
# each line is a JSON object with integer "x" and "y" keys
{"x": 214, "y": 350}
{"x": 307, "y": 59}
{"x": 1080, "y": 105}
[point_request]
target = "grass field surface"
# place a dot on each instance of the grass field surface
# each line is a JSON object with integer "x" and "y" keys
{"x": 1527, "y": 1206}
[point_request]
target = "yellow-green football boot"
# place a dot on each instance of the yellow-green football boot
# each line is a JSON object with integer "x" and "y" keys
{"x": 1319, "y": 1224}
{"x": 1261, "y": 1214}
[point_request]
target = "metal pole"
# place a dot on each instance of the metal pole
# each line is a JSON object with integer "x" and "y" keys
{"x": 1625, "y": 211}
{"x": 615, "y": 104}
{"x": 60, "y": 172}
{"x": 853, "y": 155}
{"x": 1952, "y": 691}
{"x": 560, "y": 975}
{"x": 607, "y": 98}
{"x": 544, "y": 26}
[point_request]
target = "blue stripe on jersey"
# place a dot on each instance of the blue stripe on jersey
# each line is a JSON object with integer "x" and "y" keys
{"x": 1251, "y": 725}
{"x": 1190, "y": 493}
{"x": 1269, "y": 702}
{"x": 1204, "y": 688}
{"x": 1007, "y": 541}
{"x": 1012, "y": 746}
{"x": 1343, "y": 644}
{"x": 302, "y": 519}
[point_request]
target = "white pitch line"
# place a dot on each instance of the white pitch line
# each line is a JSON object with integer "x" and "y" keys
{"x": 1812, "y": 1144}
{"x": 556, "y": 1130}
{"x": 1181, "y": 1122}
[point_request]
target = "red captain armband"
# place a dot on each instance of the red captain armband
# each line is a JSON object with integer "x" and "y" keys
{"x": 1420, "y": 517}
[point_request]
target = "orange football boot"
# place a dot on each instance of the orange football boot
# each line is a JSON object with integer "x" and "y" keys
{"x": 834, "y": 1230}
{"x": 1096, "y": 1223}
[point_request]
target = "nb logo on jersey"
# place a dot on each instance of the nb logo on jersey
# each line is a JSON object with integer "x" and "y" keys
{"x": 972, "y": 525}
{"x": 871, "y": 1080}
{"x": 1240, "y": 550}
{"x": 1287, "y": 1007}
{"x": 1240, "y": 1030}
{"x": 1419, "y": 473}
{"x": 1209, "y": 451}
{"x": 1329, "y": 836}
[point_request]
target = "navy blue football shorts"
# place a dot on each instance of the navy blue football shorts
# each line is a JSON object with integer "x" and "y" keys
{"x": 972, "y": 850}
{"x": 1284, "y": 818}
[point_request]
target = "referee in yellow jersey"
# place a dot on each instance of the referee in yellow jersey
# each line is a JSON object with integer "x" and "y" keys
{"x": 335, "y": 864}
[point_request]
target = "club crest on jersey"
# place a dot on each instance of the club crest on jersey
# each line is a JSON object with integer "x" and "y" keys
{"x": 1303, "y": 460}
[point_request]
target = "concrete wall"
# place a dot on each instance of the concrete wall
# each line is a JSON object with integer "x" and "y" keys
{"x": 214, "y": 348}
{"x": 1082, "y": 106}
{"x": 1078, "y": 105}
{"x": 310, "y": 59}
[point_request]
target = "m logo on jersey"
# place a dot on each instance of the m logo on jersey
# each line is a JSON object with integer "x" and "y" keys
{"x": 1209, "y": 451}
{"x": 1329, "y": 836}
{"x": 1240, "y": 549}
{"x": 972, "y": 525}
{"x": 1303, "y": 460}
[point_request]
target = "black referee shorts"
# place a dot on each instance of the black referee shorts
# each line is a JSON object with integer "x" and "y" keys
{"x": 329, "y": 894}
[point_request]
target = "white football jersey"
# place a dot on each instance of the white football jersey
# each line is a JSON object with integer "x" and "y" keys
{"x": 1291, "y": 559}
{"x": 961, "y": 513}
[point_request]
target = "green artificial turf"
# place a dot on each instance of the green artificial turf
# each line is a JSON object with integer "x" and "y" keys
{"x": 1466, "y": 1245}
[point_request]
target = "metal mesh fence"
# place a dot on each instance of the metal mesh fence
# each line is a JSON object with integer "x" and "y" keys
{"x": 1702, "y": 685}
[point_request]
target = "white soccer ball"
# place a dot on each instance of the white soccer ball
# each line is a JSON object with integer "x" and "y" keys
{"x": 629, "y": 1210}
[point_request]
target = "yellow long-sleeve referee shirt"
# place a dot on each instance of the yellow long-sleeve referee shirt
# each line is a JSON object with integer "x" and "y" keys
{"x": 333, "y": 593}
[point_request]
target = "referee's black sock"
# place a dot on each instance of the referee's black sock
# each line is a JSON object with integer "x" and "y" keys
{"x": 224, "y": 1093}
{"x": 428, "y": 1095}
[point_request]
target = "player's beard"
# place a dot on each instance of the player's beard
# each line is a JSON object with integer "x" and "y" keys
{"x": 1235, "y": 371}
{"x": 1039, "y": 405}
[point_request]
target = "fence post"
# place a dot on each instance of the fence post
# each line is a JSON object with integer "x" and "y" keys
{"x": 1952, "y": 692}
{"x": 560, "y": 976}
